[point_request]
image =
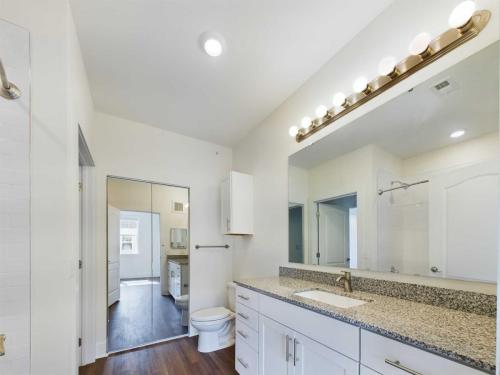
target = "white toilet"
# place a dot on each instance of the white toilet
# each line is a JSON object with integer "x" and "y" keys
{"x": 182, "y": 302}
{"x": 216, "y": 325}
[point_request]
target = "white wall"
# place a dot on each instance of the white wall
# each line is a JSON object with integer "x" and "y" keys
{"x": 15, "y": 203}
{"x": 129, "y": 149}
{"x": 146, "y": 263}
{"x": 60, "y": 100}
{"x": 390, "y": 33}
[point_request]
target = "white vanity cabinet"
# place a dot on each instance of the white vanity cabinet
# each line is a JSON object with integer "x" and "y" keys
{"x": 389, "y": 357}
{"x": 284, "y": 351}
{"x": 274, "y": 337}
{"x": 237, "y": 204}
{"x": 178, "y": 278}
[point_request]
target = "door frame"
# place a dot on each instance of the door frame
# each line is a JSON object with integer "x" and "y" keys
{"x": 87, "y": 249}
{"x": 315, "y": 214}
{"x": 106, "y": 268}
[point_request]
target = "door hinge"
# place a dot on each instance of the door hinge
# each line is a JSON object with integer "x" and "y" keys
{"x": 79, "y": 341}
{"x": 80, "y": 264}
{"x": 80, "y": 186}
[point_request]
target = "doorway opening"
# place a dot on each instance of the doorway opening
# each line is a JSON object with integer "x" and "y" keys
{"x": 296, "y": 233}
{"x": 336, "y": 220}
{"x": 148, "y": 262}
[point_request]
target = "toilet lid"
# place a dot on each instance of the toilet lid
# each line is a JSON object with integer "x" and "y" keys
{"x": 214, "y": 313}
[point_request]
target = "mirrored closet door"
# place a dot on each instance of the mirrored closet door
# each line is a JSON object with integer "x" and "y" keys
{"x": 148, "y": 262}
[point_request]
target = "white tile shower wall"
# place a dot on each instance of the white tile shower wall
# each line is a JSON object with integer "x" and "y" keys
{"x": 15, "y": 205}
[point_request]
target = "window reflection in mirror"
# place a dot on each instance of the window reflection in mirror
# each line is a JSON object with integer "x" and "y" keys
{"x": 411, "y": 187}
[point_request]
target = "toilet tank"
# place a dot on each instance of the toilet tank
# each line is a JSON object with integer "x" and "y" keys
{"x": 231, "y": 296}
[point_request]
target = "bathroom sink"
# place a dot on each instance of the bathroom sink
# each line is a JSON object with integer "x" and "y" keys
{"x": 330, "y": 298}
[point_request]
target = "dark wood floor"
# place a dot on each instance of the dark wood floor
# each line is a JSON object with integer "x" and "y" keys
{"x": 177, "y": 357}
{"x": 142, "y": 315}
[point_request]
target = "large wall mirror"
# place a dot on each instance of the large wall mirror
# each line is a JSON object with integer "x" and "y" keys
{"x": 412, "y": 187}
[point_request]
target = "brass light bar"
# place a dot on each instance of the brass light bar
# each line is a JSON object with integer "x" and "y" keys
{"x": 438, "y": 47}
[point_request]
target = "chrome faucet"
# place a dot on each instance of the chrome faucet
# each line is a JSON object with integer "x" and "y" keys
{"x": 346, "y": 277}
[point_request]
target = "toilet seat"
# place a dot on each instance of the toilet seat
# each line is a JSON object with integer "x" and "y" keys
{"x": 211, "y": 314}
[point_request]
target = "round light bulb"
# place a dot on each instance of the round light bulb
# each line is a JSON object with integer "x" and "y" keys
{"x": 386, "y": 66}
{"x": 457, "y": 133}
{"x": 339, "y": 99}
{"x": 462, "y": 14}
{"x": 306, "y": 121}
{"x": 360, "y": 84}
{"x": 321, "y": 111}
{"x": 213, "y": 47}
{"x": 419, "y": 44}
{"x": 293, "y": 131}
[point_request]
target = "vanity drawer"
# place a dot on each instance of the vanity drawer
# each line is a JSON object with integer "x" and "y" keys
{"x": 246, "y": 359}
{"x": 384, "y": 355}
{"x": 247, "y": 335}
{"x": 248, "y": 316}
{"x": 247, "y": 297}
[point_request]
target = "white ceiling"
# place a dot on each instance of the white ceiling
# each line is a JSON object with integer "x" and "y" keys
{"x": 144, "y": 61}
{"x": 421, "y": 120}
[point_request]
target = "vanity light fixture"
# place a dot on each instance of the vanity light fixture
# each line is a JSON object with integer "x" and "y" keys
{"x": 466, "y": 23}
{"x": 339, "y": 100}
{"x": 461, "y": 15}
{"x": 321, "y": 111}
{"x": 361, "y": 85}
{"x": 293, "y": 131}
{"x": 419, "y": 46}
{"x": 387, "y": 67}
{"x": 306, "y": 122}
{"x": 457, "y": 133}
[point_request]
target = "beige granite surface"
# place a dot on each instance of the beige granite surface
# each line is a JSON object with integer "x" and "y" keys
{"x": 460, "y": 336}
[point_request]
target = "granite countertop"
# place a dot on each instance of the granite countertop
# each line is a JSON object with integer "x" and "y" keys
{"x": 460, "y": 336}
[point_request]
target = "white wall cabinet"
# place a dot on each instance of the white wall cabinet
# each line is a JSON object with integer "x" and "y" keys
{"x": 237, "y": 204}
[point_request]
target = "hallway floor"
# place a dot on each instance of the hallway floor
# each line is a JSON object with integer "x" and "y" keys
{"x": 177, "y": 357}
{"x": 142, "y": 315}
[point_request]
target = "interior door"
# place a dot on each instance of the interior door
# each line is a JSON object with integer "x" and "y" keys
{"x": 463, "y": 221}
{"x": 113, "y": 255}
{"x": 313, "y": 358}
{"x": 275, "y": 343}
{"x": 15, "y": 204}
{"x": 333, "y": 235}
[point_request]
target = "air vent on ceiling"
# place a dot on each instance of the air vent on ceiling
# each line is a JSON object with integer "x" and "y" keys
{"x": 177, "y": 207}
{"x": 445, "y": 86}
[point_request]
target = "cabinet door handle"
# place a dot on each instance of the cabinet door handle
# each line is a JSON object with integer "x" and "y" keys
{"x": 243, "y": 363}
{"x": 243, "y": 297}
{"x": 244, "y": 316}
{"x": 295, "y": 359}
{"x": 398, "y": 365}
{"x": 287, "y": 345}
{"x": 242, "y": 334}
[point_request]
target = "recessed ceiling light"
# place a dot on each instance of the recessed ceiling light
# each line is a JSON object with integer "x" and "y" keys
{"x": 212, "y": 43}
{"x": 213, "y": 47}
{"x": 457, "y": 133}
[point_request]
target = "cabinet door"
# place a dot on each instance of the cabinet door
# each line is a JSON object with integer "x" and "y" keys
{"x": 312, "y": 358}
{"x": 225, "y": 198}
{"x": 275, "y": 344}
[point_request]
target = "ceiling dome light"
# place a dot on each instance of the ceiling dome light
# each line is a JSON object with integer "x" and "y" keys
{"x": 457, "y": 133}
{"x": 339, "y": 99}
{"x": 212, "y": 47}
{"x": 321, "y": 111}
{"x": 462, "y": 13}
{"x": 305, "y": 123}
{"x": 387, "y": 66}
{"x": 360, "y": 84}
{"x": 293, "y": 131}
{"x": 420, "y": 44}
